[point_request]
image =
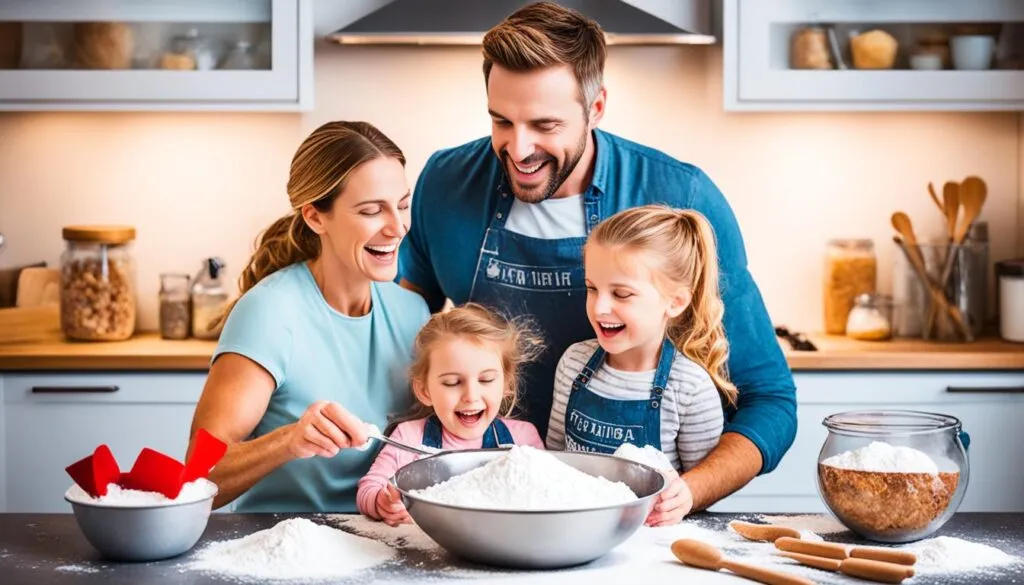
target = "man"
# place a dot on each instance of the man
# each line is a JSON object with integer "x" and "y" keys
{"x": 503, "y": 221}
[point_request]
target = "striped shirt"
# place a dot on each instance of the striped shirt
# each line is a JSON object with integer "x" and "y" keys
{"x": 691, "y": 408}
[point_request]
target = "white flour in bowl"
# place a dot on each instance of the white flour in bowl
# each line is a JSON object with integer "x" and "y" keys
{"x": 883, "y": 457}
{"x": 526, "y": 478}
{"x": 647, "y": 455}
{"x": 296, "y": 548}
{"x": 117, "y": 496}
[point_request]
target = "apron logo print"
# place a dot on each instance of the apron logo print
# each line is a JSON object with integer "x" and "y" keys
{"x": 597, "y": 429}
{"x": 528, "y": 277}
{"x": 493, "y": 270}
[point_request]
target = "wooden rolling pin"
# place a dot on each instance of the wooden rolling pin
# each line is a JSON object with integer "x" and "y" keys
{"x": 705, "y": 556}
{"x": 762, "y": 532}
{"x": 879, "y": 571}
{"x": 833, "y": 550}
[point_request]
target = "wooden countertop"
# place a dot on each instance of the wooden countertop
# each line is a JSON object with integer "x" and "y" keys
{"x": 147, "y": 351}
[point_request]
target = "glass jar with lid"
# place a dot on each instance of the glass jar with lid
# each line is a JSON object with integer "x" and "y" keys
{"x": 893, "y": 476}
{"x": 850, "y": 270}
{"x": 241, "y": 56}
{"x": 175, "y": 306}
{"x": 98, "y": 292}
{"x": 871, "y": 318}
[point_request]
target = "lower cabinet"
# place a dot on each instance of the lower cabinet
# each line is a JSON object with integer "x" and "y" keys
{"x": 52, "y": 420}
{"x": 990, "y": 406}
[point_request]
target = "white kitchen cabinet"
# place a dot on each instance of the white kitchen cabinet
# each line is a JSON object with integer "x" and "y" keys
{"x": 49, "y": 421}
{"x": 52, "y": 72}
{"x": 757, "y": 74}
{"x": 990, "y": 405}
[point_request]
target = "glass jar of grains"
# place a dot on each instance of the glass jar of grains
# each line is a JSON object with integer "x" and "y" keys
{"x": 175, "y": 306}
{"x": 98, "y": 296}
{"x": 850, "y": 270}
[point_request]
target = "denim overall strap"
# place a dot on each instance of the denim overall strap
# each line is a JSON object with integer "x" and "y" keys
{"x": 583, "y": 378}
{"x": 497, "y": 435}
{"x": 668, "y": 355}
{"x": 432, "y": 436}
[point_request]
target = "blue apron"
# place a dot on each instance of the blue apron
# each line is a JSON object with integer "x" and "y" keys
{"x": 497, "y": 435}
{"x": 600, "y": 425}
{"x": 542, "y": 279}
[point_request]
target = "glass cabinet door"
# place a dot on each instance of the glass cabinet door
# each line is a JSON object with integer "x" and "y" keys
{"x": 139, "y": 51}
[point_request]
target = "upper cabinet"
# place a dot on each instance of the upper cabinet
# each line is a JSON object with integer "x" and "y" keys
{"x": 927, "y": 55}
{"x": 156, "y": 55}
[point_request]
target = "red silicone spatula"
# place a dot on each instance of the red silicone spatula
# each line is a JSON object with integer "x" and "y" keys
{"x": 95, "y": 472}
{"x": 207, "y": 452}
{"x": 155, "y": 472}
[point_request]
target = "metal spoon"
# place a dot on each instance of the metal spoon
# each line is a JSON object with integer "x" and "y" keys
{"x": 421, "y": 450}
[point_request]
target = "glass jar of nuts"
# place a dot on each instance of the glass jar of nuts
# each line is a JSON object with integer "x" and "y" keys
{"x": 98, "y": 296}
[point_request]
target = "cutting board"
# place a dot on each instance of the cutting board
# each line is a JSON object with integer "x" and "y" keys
{"x": 36, "y": 316}
{"x": 38, "y": 286}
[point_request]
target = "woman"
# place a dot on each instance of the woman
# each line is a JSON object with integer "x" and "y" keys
{"x": 321, "y": 337}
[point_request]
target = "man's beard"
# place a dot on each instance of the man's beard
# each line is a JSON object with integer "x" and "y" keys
{"x": 556, "y": 178}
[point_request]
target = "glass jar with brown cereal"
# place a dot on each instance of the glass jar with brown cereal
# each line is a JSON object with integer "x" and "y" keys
{"x": 850, "y": 270}
{"x": 98, "y": 296}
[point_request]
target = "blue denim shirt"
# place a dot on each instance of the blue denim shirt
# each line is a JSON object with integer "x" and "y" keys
{"x": 455, "y": 198}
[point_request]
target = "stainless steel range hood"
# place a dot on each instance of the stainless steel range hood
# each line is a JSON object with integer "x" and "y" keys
{"x": 463, "y": 22}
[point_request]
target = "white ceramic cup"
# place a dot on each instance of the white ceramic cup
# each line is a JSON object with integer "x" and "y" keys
{"x": 972, "y": 52}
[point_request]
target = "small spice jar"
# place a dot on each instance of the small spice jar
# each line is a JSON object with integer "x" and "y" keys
{"x": 1011, "y": 299}
{"x": 871, "y": 318}
{"x": 175, "y": 306}
{"x": 98, "y": 294}
{"x": 850, "y": 270}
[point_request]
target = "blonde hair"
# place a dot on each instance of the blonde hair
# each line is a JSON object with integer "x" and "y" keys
{"x": 319, "y": 172}
{"x": 678, "y": 245}
{"x": 514, "y": 338}
{"x": 543, "y": 35}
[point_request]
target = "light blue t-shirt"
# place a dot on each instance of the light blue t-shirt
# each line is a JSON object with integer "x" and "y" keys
{"x": 285, "y": 325}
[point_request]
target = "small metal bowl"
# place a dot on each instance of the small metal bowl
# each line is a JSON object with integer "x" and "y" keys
{"x": 143, "y": 533}
{"x": 529, "y": 539}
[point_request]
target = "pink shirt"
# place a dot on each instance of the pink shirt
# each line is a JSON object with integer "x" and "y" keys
{"x": 391, "y": 459}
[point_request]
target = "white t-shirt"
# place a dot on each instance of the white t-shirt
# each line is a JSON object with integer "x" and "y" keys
{"x": 551, "y": 219}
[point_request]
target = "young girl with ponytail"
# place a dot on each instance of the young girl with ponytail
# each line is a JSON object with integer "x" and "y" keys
{"x": 656, "y": 374}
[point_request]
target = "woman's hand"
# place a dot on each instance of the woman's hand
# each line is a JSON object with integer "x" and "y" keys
{"x": 325, "y": 429}
{"x": 672, "y": 505}
{"x": 390, "y": 507}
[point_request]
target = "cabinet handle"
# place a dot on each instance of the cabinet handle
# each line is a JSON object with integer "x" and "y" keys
{"x": 986, "y": 389}
{"x": 73, "y": 389}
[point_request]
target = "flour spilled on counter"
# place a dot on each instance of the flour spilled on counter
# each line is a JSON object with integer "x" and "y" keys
{"x": 76, "y": 569}
{"x": 527, "y": 478}
{"x": 403, "y": 536}
{"x": 117, "y": 496}
{"x": 946, "y": 554}
{"x": 294, "y": 549}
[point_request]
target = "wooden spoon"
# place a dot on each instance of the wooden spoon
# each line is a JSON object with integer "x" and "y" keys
{"x": 972, "y": 197}
{"x": 951, "y": 205}
{"x": 704, "y": 556}
{"x": 879, "y": 571}
{"x": 762, "y": 532}
{"x": 834, "y": 550}
{"x": 936, "y": 200}
{"x": 901, "y": 223}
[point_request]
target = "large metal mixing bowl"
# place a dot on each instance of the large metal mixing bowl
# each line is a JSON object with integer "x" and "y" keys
{"x": 528, "y": 539}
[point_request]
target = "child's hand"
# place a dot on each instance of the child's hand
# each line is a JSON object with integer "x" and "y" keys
{"x": 673, "y": 504}
{"x": 390, "y": 507}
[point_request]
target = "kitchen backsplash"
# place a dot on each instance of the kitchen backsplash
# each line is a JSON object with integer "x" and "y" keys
{"x": 198, "y": 185}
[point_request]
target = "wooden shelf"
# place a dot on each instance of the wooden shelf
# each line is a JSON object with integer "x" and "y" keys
{"x": 841, "y": 353}
{"x": 148, "y": 352}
